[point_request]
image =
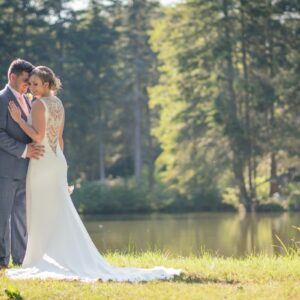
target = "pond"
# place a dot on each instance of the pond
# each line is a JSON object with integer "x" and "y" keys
{"x": 225, "y": 234}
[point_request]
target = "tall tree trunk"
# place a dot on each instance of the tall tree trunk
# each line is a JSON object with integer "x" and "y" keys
{"x": 60, "y": 42}
{"x": 137, "y": 128}
{"x": 101, "y": 151}
{"x": 274, "y": 188}
{"x": 238, "y": 163}
{"x": 150, "y": 158}
{"x": 137, "y": 94}
{"x": 24, "y": 27}
{"x": 273, "y": 167}
{"x": 273, "y": 185}
{"x": 248, "y": 120}
{"x": 102, "y": 162}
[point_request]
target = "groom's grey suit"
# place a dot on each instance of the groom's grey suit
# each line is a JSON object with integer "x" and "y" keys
{"x": 13, "y": 170}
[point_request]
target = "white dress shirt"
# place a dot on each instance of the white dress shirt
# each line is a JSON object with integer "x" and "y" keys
{"x": 18, "y": 95}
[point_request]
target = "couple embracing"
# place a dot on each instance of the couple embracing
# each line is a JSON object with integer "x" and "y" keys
{"x": 39, "y": 225}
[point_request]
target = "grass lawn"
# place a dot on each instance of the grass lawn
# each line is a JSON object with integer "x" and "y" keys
{"x": 206, "y": 277}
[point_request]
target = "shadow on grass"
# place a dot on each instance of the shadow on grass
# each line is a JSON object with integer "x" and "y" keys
{"x": 184, "y": 277}
{"x": 192, "y": 278}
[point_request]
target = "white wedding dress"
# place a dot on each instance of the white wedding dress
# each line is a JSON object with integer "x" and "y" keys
{"x": 59, "y": 247}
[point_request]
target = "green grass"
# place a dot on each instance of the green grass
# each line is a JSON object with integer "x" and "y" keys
{"x": 206, "y": 277}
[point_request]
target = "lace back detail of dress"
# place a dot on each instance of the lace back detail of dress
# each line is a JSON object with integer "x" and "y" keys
{"x": 55, "y": 114}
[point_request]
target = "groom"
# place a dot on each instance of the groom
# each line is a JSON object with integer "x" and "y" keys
{"x": 16, "y": 149}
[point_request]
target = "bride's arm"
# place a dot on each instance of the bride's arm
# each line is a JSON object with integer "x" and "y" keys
{"x": 36, "y": 131}
{"x": 61, "y": 130}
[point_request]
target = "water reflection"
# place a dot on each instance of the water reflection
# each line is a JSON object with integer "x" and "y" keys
{"x": 226, "y": 234}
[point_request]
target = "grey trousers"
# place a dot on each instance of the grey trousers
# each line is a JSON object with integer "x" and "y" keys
{"x": 13, "y": 233}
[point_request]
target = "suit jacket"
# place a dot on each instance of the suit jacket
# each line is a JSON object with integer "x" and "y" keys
{"x": 12, "y": 139}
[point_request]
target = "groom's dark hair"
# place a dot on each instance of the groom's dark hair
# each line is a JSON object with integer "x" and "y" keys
{"x": 20, "y": 65}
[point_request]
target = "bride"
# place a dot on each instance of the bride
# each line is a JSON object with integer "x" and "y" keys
{"x": 59, "y": 247}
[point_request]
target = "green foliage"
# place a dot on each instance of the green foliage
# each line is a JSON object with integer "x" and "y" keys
{"x": 262, "y": 187}
{"x": 195, "y": 93}
{"x": 269, "y": 207}
{"x": 13, "y": 293}
{"x": 230, "y": 196}
{"x": 219, "y": 88}
{"x": 293, "y": 249}
{"x": 291, "y": 188}
{"x": 124, "y": 197}
{"x": 294, "y": 201}
{"x": 94, "y": 198}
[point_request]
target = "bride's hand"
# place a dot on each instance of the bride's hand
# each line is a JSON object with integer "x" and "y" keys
{"x": 14, "y": 112}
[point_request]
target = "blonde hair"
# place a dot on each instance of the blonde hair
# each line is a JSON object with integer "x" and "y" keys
{"x": 47, "y": 75}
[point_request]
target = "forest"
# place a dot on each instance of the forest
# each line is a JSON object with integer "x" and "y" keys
{"x": 186, "y": 107}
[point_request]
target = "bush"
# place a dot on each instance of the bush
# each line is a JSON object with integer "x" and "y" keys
{"x": 294, "y": 201}
{"x": 94, "y": 198}
{"x": 227, "y": 207}
{"x": 206, "y": 201}
{"x": 269, "y": 207}
{"x": 122, "y": 197}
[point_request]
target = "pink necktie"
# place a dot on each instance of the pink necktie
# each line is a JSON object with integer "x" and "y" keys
{"x": 23, "y": 104}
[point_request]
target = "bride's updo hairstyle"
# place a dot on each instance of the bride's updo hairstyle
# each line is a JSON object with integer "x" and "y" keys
{"x": 47, "y": 75}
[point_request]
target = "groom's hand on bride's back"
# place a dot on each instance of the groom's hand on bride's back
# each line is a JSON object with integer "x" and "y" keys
{"x": 35, "y": 151}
